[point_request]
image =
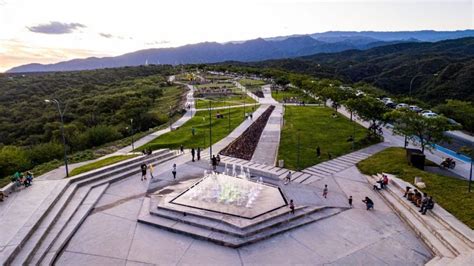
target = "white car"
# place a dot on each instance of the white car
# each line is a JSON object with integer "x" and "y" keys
{"x": 430, "y": 115}
{"x": 415, "y": 108}
{"x": 426, "y": 111}
{"x": 401, "y": 105}
{"x": 386, "y": 99}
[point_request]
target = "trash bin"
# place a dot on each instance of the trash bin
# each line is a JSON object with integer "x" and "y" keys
{"x": 281, "y": 163}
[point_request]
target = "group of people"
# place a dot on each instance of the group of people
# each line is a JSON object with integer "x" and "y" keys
{"x": 150, "y": 169}
{"x": 219, "y": 115}
{"x": 215, "y": 161}
{"x": 293, "y": 100}
{"x": 22, "y": 179}
{"x": 418, "y": 199}
{"x": 147, "y": 151}
{"x": 381, "y": 183}
{"x": 195, "y": 152}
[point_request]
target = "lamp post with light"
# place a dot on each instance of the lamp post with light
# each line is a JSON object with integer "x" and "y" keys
{"x": 61, "y": 115}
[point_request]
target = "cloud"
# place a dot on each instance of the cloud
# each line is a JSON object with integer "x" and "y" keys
{"x": 106, "y": 35}
{"x": 55, "y": 27}
{"x": 157, "y": 42}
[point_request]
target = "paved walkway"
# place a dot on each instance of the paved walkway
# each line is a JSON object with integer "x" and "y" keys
{"x": 267, "y": 148}
{"x": 249, "y": 93}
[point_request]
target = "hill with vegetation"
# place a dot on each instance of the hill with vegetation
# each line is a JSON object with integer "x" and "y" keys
{"x": 99, "y": 106}
{"x": 443, "y": 70}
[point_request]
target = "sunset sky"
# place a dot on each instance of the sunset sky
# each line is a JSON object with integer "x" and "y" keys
{"x": 47, "y": 31}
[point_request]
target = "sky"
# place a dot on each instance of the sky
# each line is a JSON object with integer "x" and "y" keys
{"x": 49, "y": 31}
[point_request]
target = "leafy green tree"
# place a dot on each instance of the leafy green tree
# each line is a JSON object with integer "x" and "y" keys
{"x": 461, "y": 111}
{"x": 371, "y": 110}
{"x": 45, "y": 152}
{"x": 425, "y": 131}
{"x": 13, "y": 159}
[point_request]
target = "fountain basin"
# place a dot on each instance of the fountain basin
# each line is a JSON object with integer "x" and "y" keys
{"x": 233, "y": 196}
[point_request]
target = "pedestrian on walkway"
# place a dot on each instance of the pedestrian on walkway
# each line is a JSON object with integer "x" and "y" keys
{"x": 173, "y": 171}
{"x": 318, "y": 152}
{"x": 143, "y": 167}
{"x": 193, "y": 152}
{"x": 199, "y": 153}
{"x": 369, "y": 203}
{"x": 325, "y": 191}
{"x": 181, "y": 148}
{"x": 292, "y": 207}
{"x": 218, "y": 160}
{"x": 151, "y": 168}
{"x": 350, "y": 201}
{"x": 214, "y": 162}
{"x": 288, "y": 178}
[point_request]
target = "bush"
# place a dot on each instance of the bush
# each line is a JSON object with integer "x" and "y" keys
{"x": 45, "y": 152}
{"x": 99, "y": 135}
{"x": 13, "y": 159}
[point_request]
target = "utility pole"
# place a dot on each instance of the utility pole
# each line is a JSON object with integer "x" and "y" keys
{"x": 210, "y": 129}
{"x": 298, "y": 155}
{"x": 131, "y": 129}
{"x": 61, "y": 115}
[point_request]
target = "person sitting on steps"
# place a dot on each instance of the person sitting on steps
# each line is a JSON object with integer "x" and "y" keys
{"x": 428, "y": 206}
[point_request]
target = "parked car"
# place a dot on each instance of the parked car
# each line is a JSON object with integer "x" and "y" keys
{"x": 390, "y": 104}
{"x": 415, "y": 108}
{"x": 401, "y": 105}
{"x": 453, "y": 122}
{"x": 430, "y": 115}
{"x": 426, "y": 111}
{"x": 386, "y": 99}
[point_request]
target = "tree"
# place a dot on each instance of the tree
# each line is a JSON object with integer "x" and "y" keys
{"x": 461, "y": 111}
{"x": 371, "y": 110}
{"x": 417, "y": 128}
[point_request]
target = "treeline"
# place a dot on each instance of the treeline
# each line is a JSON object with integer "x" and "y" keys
{"x": 100, "y": 106}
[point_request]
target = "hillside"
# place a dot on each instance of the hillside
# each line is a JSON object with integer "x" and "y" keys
{"x": 251, "y": 50}
{"x": 392, "y": 67}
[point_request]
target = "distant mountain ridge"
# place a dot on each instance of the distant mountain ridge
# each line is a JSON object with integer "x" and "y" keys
{"x": 443, "y": 70}
{"x": 251, "y": 50}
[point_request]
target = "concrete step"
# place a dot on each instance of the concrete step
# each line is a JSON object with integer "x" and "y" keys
{"x": 221, "y": 227}
{"x": 224, "y": 238}
{"x": 73, "y": 223}
{"x": 420, "y": 228}
{"x": 312, "y": 178}
{"x": 43, "y": 224}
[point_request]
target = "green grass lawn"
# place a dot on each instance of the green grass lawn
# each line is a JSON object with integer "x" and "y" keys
{"x": 281, "y": 95}
{"x": 316, "y": 127}
{"x": 225, "y": 101}
{"x": 451, "y": 193}
{"x": 100, "y": 163}
{"x": 183, "y": 135}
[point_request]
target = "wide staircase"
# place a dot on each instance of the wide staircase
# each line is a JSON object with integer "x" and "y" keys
{"x": 451, "y": 241}
{"x": 206, "y": 227}
{"x": 48, "y": 230}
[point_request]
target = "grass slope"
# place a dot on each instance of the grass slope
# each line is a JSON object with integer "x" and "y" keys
{"x": 183, "y": 135}
{"x": 100, "y": 163}
{"x": 316, "y": 127}
{"x": 451, "y": 193}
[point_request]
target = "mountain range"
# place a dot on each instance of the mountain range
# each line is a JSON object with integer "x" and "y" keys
{"x": 439, "y": 70}
{"x": 251, "y": 50}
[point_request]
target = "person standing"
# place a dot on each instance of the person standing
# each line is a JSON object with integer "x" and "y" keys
{"x": 214, "y": 162}
{"x": 218, "y": 160}
{"x": 193, "y": 152}
{"x": 173, "y": 171}
{"x": 350, "y": 201}
{"x": 143, "y": 168}
{"x": 292, "y": 207}
{"x": 199, "y": 153}
{"x": 318, "y": 151}
{"x": 369, "y": 203}
{"x": 325, "y": 191}
{"x": 151, "y": 168}
{"x": 181, "y": 148}
{"x": 288, "y": 178}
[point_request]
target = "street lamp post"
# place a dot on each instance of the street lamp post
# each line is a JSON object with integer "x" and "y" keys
{"x": 228, "y": 114}
{"x": 169, "y": 118}
{"x": 61, "y": 115}
{"x": 131, "y": 131}
{"x": 210, "y": 129}
{"x": 298, "y": 155}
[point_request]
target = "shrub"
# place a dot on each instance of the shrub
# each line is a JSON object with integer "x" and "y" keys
{"x": 45, "y": 152}
{"x": 99, "y": 135}
{"x": 13, "y": 159}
